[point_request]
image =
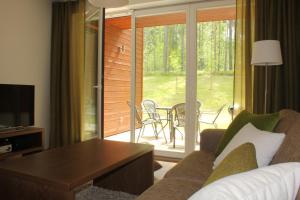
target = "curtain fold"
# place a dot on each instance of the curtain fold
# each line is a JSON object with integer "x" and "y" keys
{"x": 67, "y": 71}
{"x": 278, "y": 20}
{"x": 245, "y": 30}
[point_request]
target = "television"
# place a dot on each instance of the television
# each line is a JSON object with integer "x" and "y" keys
{"x": 16, "y": 106}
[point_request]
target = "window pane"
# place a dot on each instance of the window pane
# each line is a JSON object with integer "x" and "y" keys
{"x": 161, "y": 78}
{"x": 91, "y": 72}
{"x": 215, "y": 65}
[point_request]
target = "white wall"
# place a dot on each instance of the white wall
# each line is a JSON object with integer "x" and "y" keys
{"x": 141, "y": 1}
{"x": 25, "y": 40}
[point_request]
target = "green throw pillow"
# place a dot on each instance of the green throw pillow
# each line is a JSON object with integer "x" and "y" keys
{"x": 265, "y": 122}
{"x": 240, "y": 160}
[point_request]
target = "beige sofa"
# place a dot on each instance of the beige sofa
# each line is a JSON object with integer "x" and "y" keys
{"x": 188, "y": 176}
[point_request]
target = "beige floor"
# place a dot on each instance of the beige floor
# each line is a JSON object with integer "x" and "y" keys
{"x": 166, "y": 166}
{"x": 160, "y": 144}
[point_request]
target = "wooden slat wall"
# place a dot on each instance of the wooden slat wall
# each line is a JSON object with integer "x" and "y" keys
{"x": 139, "y": 65}
{"x": 117, "y": 77}
{"x": 121, "y": 22}
{"x": 205, "y": 15}
{"x": 209, "y": 15}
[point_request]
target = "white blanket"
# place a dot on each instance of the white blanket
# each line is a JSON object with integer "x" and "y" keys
{"x": 276, "y": 182}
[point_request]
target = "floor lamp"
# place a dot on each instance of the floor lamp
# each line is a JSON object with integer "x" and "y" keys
{"x": 266, "y": 53}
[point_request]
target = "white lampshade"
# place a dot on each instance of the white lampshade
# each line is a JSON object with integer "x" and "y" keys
{"x": 266, "y": 52}
{"x": 109, "y": 3}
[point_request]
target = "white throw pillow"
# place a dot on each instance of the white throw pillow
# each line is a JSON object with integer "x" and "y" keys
{"x": 266, "y": 144}
{"x": 275, "y": 182}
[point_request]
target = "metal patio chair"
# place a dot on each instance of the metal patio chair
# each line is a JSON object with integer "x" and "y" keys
{"x": 141, "y": 122}
{"x": 207, "y": 117}
{"x": 150, "y": 108}
{"x": 178, "y": 113}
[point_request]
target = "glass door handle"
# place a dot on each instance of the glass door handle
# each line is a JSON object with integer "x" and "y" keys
{"x": 97, "y": 87}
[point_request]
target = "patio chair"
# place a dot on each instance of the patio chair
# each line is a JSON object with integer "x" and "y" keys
{"x": 207, "y": 117}
{"x": 142, "y": 123}
{"x": 179, "y": 119}
{"x": 150, "y": 108}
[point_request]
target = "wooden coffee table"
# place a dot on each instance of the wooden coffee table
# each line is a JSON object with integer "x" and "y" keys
{"x": 57, "y": 173}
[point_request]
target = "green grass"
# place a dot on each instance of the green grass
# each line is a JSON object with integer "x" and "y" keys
{"x": 168, "y": 90}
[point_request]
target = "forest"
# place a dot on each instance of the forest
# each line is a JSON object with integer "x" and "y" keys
{"x": 165, "y": 64}
{"x": 165, "y": 48}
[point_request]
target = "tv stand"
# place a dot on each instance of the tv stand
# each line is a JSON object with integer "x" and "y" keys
{"x": 20, "y": 128}
{"x": 12, "y": 129}
{"x": 24, "y": 140}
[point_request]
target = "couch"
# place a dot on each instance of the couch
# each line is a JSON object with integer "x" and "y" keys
{"x": 189, "y": 175}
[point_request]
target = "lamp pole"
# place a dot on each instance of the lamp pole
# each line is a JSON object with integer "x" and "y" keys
{"x": 266, "y": 87}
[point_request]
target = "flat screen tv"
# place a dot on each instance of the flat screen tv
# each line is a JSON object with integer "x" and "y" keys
{"x": 16, "y": 106}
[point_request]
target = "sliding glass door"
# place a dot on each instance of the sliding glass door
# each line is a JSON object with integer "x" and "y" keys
{"x": 183, "y": 80}
{"x": 215, "y": 64}
{"x": 168, "y": 74}
{"x": 91, "y": 75}
{"x": 160, "y": 66}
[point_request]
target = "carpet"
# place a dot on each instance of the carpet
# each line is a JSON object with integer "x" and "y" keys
{"x": 96, "y": 193}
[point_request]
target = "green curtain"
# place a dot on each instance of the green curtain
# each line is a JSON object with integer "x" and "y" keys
{"x": 67, "y": 70}
{"x": 245, "y": 18}
{"x": 279, "y": 20}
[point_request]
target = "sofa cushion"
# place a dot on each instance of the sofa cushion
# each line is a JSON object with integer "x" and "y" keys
{"x": 210, "y": 138}
{"x": 266, "y": 144}
{"x": 196, "y": 166}
{"x": 290, "y": 149}
{"x": 265, "y": 122}
{"x": 287, "y": 119}
{"x": 171, "y": 189}
{"x": 241, "y": 159}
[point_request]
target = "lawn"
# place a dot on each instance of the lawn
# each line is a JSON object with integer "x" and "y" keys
{"x": 168, "y": 90}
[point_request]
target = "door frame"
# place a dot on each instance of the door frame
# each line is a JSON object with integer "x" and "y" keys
{"x": 135, "y": 15}
{"x": 191, "y": 10}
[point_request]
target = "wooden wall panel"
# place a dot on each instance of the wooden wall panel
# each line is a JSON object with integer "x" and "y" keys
{"x": 208, "y": 15}
{"x": 117, "y": 77}
{"x": 205, "y": 15}
{"x": 121, "y": 22}
{"x": 139, "y": 64}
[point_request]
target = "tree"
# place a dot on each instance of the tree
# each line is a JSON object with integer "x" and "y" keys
{"x": 226, "y": 47}
{"x": 230, "y": 48}
{"x": 182, "y": 47}
{"x": 219, "y": 47}
{"x": 166, "y": 49}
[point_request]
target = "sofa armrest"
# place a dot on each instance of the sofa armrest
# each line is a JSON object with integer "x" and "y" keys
{"x": 210, "y": 138}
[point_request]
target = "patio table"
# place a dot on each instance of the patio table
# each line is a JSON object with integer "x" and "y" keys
{"x": 168, "y": 110}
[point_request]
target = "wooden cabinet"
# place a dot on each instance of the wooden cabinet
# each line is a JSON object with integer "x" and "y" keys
{"x": 25, "y": 141}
